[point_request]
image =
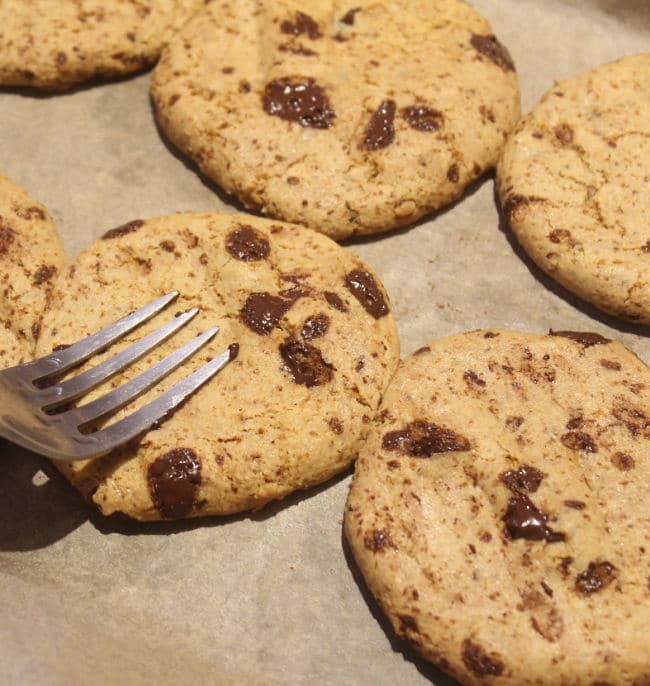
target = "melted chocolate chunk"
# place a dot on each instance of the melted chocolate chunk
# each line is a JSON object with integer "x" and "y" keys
{"x": 315, "y": 327}
{"x": 422, "y": 439}
{"x": 380, "y": 129}
{"x": 335, "y": 301}
{"x": 479, "y": 662}
{"x": 585, "y": 338}
{"x": 305, "y": 363}
{"x": 579, "y": 440}
{"x": 422, "y": 118}
{"x": 302, "y": 24}
{"x": 247, "y": 244}
{"x": 174, "y": 479}
{"x": 524, "y": 520}
{"x": 299, "y": 100}
{"x": 490, "y": 47}
{"x": 526, "y": 478}
{"x": 348, "y": 17}
{"x": 262, "y": 311}
{"x": 597, "y": 576}
{"x": 364, "y": 288}
{"x": 118, "y": 231}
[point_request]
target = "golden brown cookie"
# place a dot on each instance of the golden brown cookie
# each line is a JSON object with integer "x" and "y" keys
{"x": 316, "y": 345}
{"x": 31, "y": 254}
{"x": 350, "y": 118}
{"x": 498, "y": 510}
{"x": 56, "y": 45}
{"x": 573, "y": 183}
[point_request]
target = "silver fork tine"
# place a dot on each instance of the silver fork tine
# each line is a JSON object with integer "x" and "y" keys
{"x": 113, "y": 401}
{"x": 142, "y": 419}
{"x": 86, "y": 381}
{"x": 62, "y": 360}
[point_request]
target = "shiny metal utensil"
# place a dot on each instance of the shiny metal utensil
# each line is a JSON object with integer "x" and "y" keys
{"x": 28, "y": 403}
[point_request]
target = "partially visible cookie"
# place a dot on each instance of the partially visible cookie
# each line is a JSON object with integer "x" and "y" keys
{"x": 56, "y": 45}
{"x": 573, "y": 183}
{"x": 499, "y": 509}
{"x": 31, "y": 254}
{"x": 314, "y": 345}
{"x": 348, "y": 117}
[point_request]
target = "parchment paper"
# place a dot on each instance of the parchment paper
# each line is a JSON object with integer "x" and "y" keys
{"x": 271, "y": 598}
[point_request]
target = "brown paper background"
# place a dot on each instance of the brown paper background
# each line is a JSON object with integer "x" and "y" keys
{"x": 271, "y": 598}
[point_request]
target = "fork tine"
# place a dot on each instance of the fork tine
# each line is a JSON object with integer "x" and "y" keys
{"x": 53, "y": 396}
{"x": 142, "y": 419}
{"x": 113, "y": 401}
{"x": 80, "y": 351}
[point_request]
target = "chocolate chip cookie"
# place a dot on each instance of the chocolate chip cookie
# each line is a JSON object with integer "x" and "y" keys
{"x": 498, "y": 510}
{"x": 313, "y": 344}
{"x": 573, "y": 185}
{"x": 31, "y": 254}
{"x": 56, "y": 45}
{"x": 349, "y": 118}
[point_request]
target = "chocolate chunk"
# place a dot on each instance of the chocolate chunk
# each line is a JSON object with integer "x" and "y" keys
{"x": 579, "y": 440}
{"x": 233, "y": 351}
{"x": 479, "y": 662}
{"x": 305, "y": 363}
{"x": 262, "y": 311}
{"x": 44, "y": 273}
{"x": 118, "y": 231}
{"x": 422, "y": 118}
{"x": 247, "y": 244}
{"x": 299, "y": 100}
{"x": 335, "y": 301}
{"x": 622, "y": 461}
{"x": 7, "y": 236}
{"x": 597, "y": 576}
{"x": 378, "y": 540}
{"x": 585, "y": 338}
{"x": 526, "y": 478}
{"x": 523, "y": 520}
{"x": 302, "y": 24}
{"x": 490, "y": 47}
{"x": 174, "y": 479}
{"x": 364, "y": 288}
{"x": 348, "y": 17}
{"x": 315, "y": 327}
{"x": 380, "y": 129}
{"x": 422, "y": 439}
{"x": 575, "y": 504}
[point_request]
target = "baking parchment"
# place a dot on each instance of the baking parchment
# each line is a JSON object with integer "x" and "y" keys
{"x": 269, "y": 598}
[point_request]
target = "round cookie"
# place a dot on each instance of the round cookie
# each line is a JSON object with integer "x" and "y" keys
{"x": 498, "y": 510}
{"x": 573, "y": 183}
{"x": 56, "y": 45}
{"x": 316, "y": 344}
{"x": 348, "y": 117}
{"x": 30, "y": 255}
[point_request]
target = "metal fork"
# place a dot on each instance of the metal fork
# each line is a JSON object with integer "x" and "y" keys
{"x": 28, "y": 405}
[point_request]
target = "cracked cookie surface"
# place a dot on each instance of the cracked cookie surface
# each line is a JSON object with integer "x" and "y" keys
{"x": 315, "y": 345}
{"x": 350, "y": 118}
{"x": 573, "y": 183}
{"x": 57, "y": 45}
{"x": 498, "y": 508}
{"x": 31, "y": 255}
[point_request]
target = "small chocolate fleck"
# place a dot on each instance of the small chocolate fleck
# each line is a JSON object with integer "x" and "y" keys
{"x": 575, "y": 504}
{"x": 378, "y": 540}
{"x": 348, "y": 17}
{"x": 452, "y": 174}
{"x": 7, "y": 236}
{"x": 315, "y": 327}
{"x": 302, "y": 24}
{"x": 513, "y": 423}
{"x": 579, "y": 440}
{"x": 380, "y": 129}
{"x": 305, "y": 363}
{"x": 335, "y": 301}
{"x": 526, "y": 478}
{"x": 122, "y": 230}
{"x": 61, "y": 58}
{"x": 233, "y": 351}
{"x": 610, "y": 364}
{"x": 167, "y": 246}
{"x": 422, "y": 118}
{"x": 479, "y": 662}
{"x": 299, "y": 100}
{"x": 473, "y": 379}
{"x": 585, "y": 338}
{"x": 524, "y": 520}
{"x": 622, "y": 461}
{"x": 262, "y": 311}
{"x": 564, "y": 133}
{"x": 30, "y": 212}
{"x": 336, "y": 425}
{"x": 597, "y": 576}
{"x": 490, "y": 47}
{"x": 247, "y": 244}
{"x": 44, "y": 273}
{"x": 174, "y": 479}
{"x": 364, "y": 288}
{"x": 565, "y": 563}
{"x": 424, "y": 439}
